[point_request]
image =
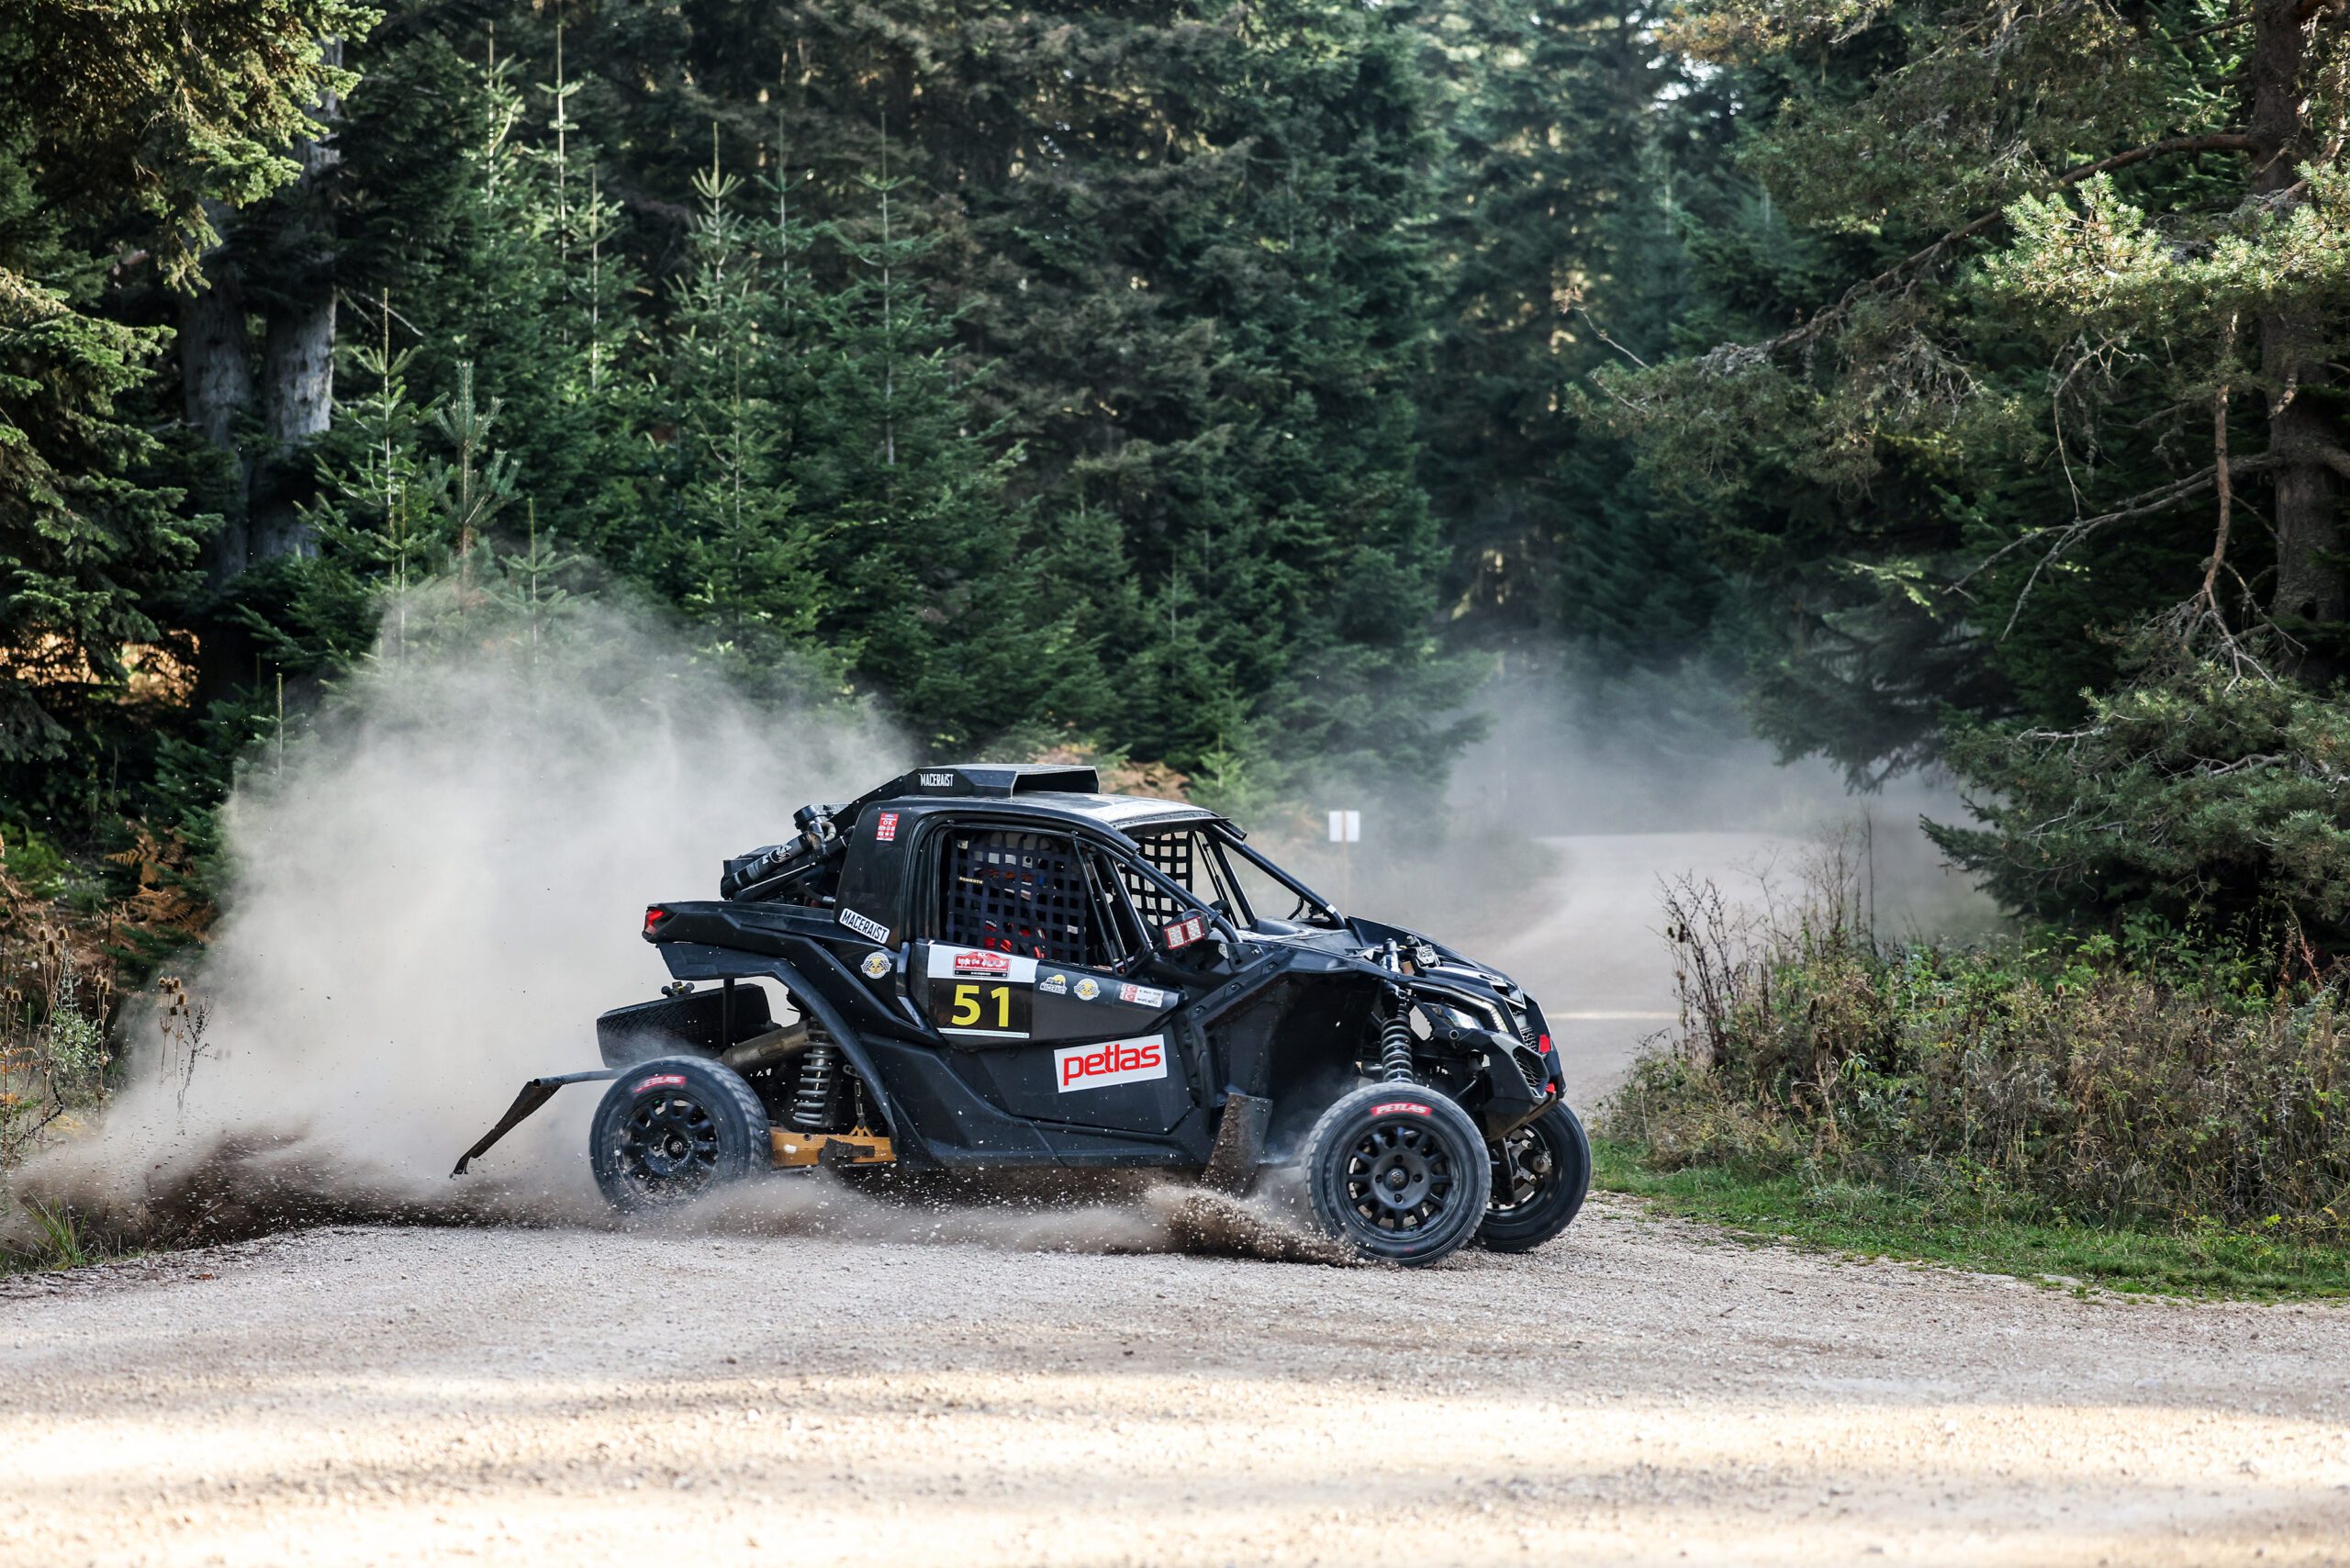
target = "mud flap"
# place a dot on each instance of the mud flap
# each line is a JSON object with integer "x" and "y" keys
{"x": 1239, "y": 1144}
{"x": 535, "y": 1093}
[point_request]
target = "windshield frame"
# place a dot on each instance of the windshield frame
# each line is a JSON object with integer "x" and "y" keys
{"x": 1230, "y": 838}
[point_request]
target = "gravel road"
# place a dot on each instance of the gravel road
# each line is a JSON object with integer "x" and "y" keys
{"x": 986, "y": 1387}
{"x": 1639, "y": 1392}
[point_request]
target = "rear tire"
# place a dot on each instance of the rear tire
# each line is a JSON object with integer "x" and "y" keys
{"x": 671, "y": 1129}
{"x": 1541, "y": 1174}
{"x": 1398, "y": 1172}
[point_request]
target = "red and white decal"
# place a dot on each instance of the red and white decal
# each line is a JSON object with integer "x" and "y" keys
{"x": 1402, "y": 1108}
{"x": 885, "y": 828}
{"x": 1183, "y": 932}
{"x": 980, "y": 963}
{"x": 660, "y": 1080}
{"x": 1117, "y": 1061}
{"x": 1142, "y": 995}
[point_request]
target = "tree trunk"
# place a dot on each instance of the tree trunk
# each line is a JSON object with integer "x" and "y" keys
{"x": 298, "y": 341}
{"x": 2310, "y": 597}
{"x": 217, "y": 389}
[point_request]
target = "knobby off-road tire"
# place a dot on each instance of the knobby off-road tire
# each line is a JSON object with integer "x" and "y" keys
{"x": 673, "y": 1129}
{"x": 1398, "y": 1172}
{"x": 1541, "y": 1175}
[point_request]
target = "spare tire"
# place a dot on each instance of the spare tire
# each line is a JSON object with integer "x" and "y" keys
{"x": 671, "y": 1129}
{"x": 1398, "y": 1172}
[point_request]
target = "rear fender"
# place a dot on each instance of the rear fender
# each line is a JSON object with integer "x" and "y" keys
{"x": 700, "y": 961}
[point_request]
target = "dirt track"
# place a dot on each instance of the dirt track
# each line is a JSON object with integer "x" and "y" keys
{"x": 1638, "y": 1392}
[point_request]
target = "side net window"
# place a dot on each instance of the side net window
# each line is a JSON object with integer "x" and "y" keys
{"x": 1171, "y": 855}
{"x": 1017, "y": 892}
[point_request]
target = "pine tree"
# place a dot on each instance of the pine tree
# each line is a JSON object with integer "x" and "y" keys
{"x": 949, "y": 614}
{"x": 137, "y": 125}
{"x": 731, "y": 549}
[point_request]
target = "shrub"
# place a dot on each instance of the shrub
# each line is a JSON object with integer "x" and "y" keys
{"x": 2138, "y": 1079}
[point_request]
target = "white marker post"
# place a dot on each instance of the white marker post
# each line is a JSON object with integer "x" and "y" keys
{"x": 1346, "y": 827}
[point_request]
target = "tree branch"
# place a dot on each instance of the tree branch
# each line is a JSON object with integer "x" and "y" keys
{"x": 2211, "y": 595}
{"x": 2212, "y": 141}
{"x": 2068, "y": 534}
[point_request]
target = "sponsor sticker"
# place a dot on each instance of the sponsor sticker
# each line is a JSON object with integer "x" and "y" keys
{"x": 1117, "y": 1061}
{"x": 1088, "y": 988}
{"x": 1057, "y": 985}
{"x": 885, "y": 828}
{"x": 660, "y": 1080}
{"x": 876, "y": 964}
{"x": 865, "y": 925}
{"x": 1183, "y": 932}
{"x": 980, "y": 963}
{"x": 1142, "y": 995}
{"x": 937, "y": 780}
{"x": 1402, "y": 1108}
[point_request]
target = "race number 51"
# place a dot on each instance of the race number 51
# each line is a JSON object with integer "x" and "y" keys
{"x": 973, "y": 1002}
{"x": 988, "y": 1007}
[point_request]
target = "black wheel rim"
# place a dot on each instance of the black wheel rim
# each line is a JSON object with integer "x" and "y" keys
{"x": 1523, "y": 1167}
{"x": 1399, "y": 1178}
{"x": 668, "y": 1145}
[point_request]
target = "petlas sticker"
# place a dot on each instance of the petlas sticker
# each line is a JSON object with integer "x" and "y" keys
{"x": 1117, "y": 1061}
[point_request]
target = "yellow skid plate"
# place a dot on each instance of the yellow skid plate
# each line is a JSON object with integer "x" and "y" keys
{"x": 795, "y": 1148}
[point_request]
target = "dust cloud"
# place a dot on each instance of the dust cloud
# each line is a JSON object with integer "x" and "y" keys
{"x": 436, "y": 889}
{"x": 432, "y": 897}
{"x": 1592, "y": 791}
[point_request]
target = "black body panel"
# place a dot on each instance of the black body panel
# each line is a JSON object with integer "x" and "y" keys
{"x": 705, "y": 1021}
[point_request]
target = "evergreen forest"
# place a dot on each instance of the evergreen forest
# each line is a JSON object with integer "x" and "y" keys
{"x": 1226, "y": 384}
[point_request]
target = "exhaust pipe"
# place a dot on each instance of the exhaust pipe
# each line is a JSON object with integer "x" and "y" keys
{"x": 766, "y": 1049}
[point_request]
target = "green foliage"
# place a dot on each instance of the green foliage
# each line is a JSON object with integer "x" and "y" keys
{"x": 1227, "y": 385}
{"x": 2141, "y": 1082}
{"x": 165, "y": 107}
{"x": 1944, "y": 399}
{"x": 2204, "y": 792}
{"x": 121, "y": 122}
{"x": 1575, "y": 161}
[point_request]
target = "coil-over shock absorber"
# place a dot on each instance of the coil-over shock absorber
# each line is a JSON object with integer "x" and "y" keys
{"x": 811, "y": 1102}
{"x": 1395, "y": 1041}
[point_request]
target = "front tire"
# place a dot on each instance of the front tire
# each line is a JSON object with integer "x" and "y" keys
{"x": 1541, "y": 1174}
{"x": 670, "y": 1129}
{"x": 1398, "y": 1172}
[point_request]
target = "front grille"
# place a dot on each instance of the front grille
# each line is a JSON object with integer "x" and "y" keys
{"x": 1531, "y": 1067}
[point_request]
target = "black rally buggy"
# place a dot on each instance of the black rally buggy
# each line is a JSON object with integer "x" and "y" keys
{"x": 996, "y": 966}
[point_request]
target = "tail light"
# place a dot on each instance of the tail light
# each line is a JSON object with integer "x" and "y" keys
{"x": 653, "y": 915}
